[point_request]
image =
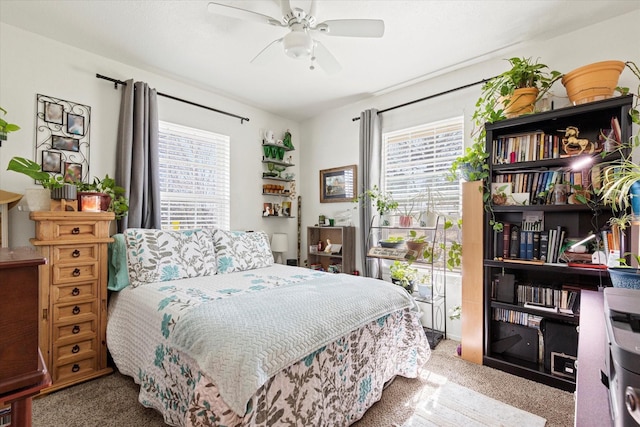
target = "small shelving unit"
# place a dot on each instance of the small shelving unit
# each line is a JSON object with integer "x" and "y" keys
{"x": 342, "y": 261}
{"x": 436, "y": 331}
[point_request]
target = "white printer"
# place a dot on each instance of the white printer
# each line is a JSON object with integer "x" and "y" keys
{"x": 622, "y": 359}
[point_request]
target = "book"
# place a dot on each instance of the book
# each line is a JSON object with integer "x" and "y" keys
{"x": 536, "y": 245}
{"x": 617, "y": 132}
{"x": 522, "y": 254}
{"x": 498, "y": 243}
{"x": 514, "y": 245}
{"x": 544, "y": 244}
{"x": 506, "y": 238}
{"x": 542, "y": 307}
{"x": 529, "y": 247}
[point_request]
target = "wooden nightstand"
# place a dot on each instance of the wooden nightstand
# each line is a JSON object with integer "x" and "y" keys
{"x": 73, "y": 294}
{"x": 22, "y": 369}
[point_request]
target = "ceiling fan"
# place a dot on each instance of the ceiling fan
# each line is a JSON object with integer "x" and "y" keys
{"x": 299, "y": 43}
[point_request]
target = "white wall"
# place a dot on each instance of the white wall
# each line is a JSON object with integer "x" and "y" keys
{"x": 332, "y": 137}
{"x": 31, "y": 64}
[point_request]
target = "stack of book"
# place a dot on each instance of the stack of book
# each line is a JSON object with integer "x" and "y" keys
{"x": 521, "y": 242}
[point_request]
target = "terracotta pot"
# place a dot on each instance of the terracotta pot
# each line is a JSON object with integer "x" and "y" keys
{"x": 521, "y": 102}
{"x": 417, "y": 247}
{"x": 592, "y": 82}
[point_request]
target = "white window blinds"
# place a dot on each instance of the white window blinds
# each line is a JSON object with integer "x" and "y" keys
{"x": 418, "y": 159}
{"x": 194, "y": 178}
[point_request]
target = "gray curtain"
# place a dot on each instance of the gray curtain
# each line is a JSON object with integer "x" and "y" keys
{"x": 137, "y": 156}
{"x": 370, "y": 166}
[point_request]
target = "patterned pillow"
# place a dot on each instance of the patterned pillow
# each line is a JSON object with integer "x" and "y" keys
{"x": 162, "y": 255}
{"x": 239, "y": 251}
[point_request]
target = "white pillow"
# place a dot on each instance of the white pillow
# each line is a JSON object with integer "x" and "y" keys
{"x": 240, "y": 251}
{"x": 162, "y": 255}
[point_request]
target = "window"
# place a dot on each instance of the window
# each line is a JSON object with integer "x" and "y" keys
{"x": 419, "y": 158}
{"x": 194, "y": 178}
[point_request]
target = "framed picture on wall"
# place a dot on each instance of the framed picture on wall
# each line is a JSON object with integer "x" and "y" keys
{"x": 75, "y": 124}
{"x": 72, "y": 172}
{"x": 51, "y": 161}
{"x": 338, "y": 184}
{"x": 53, "y": 113}
{"x": 65, "y": 143}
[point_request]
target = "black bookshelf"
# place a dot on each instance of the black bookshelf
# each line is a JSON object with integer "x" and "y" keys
{"x": 502, "y": 347}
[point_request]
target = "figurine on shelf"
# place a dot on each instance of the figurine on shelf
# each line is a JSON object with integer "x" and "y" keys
{"x": 287, "y": 140}
{"x": 327, "y": 249}
{"x": 573, "y": 146}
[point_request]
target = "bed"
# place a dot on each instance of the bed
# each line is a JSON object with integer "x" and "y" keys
{"x": 216, "y": 334}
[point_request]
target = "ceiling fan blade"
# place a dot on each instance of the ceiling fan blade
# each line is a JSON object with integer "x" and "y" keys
{"x": 325, "y": 59}
{"x": 244, "y": 14}
{"x": 285, "y": 7}
{"x": 352, "y": 27}
{"x": 269, "y": 53}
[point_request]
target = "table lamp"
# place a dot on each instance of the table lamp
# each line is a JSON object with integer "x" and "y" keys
{"x": 279, "y": 245}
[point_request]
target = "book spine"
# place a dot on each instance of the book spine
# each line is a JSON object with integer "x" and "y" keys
{"x": 506, "y": 238}
{"x": 523, "y": 245}
{"x": 514, "y": 245}
{"x": 529, "y": 253}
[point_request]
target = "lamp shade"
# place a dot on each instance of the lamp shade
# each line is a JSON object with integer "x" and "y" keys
{"x": 279, "y": 242}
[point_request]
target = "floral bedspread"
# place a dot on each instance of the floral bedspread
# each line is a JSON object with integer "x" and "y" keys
{"x": 332, "y": 386}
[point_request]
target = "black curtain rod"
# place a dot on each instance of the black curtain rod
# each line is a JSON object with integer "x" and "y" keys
{"x": 120, "y": 82}
{"x": 428, "y": 97}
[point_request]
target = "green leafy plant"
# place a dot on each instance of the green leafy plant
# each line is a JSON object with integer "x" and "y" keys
{"x": 495, "y": 93}
{"x": 403, "y": 274}
{"x": 33, "y": 170}
{"x": 6, "y": 127}
{"x": 382, "y": 200}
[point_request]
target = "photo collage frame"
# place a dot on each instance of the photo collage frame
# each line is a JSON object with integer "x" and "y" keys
{"x": 63, "y": 138}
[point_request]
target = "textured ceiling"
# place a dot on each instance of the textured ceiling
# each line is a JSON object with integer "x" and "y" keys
{"x": 182, "y": 40}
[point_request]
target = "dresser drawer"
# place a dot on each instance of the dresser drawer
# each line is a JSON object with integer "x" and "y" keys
{"x": 71, "y": 292}
{"x": 75, "y": 331}
{"x": 78, "y": 368}
{"x": 74, "y": 253}
{"x": 67, "y": 313}
{"x": 80, "y": 229}
{"x": 64, "y": 354}
{"x": 75, "y": 273}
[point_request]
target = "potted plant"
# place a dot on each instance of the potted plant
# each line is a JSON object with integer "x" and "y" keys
{"x": 33, "y": 170}
{"x": 402, "y": 274}
{"x": 429, "y": 200}
{"x": 515, "y": 91}
{"x": 6, "y": 127}
{"x": 592, "y": 82}
{"x": 416, "y": 243}
{"x": 111, "y": 196}
{"x": 621, "y": 190}
{"x": 382, "y": 201}
{"x": 405, "y": 211}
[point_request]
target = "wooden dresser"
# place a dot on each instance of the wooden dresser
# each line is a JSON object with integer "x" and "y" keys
{"x": 73, "y": 294}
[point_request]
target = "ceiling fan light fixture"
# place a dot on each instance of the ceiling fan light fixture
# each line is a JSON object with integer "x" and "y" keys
{"x": 297, "y": 44}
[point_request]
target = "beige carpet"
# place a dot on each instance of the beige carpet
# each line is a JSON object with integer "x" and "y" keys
{"x": 444, "y": 403}
{"x": 113, "y": 400}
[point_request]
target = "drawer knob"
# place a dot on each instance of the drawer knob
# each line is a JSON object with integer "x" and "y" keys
{"x": 76, "y": 310}
{"x": 75, "y": 230}
{"x": 75, "y": 349}
{"x": 75, "y": 367}
{"x": 76, "y": 272}
{"x": 75, "y": 330}
{"x": 75, "y": 253}
{"x": 75, "y": 292}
